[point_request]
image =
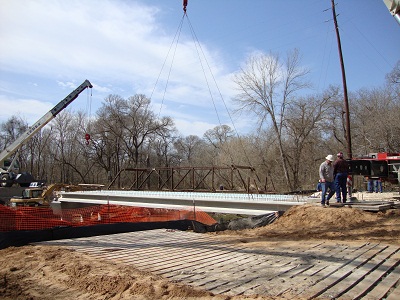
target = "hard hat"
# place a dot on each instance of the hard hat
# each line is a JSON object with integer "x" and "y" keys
{"x": 329, "y": 157}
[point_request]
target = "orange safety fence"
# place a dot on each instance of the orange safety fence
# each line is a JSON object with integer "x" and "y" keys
{"x": 37, "y": 218}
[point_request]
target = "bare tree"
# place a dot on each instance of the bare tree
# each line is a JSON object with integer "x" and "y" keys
{"x": 266, "y": 85}
{"x": 218, "y": 135}
{"x": 376, "y": 119}
{"x": 139, "y": 125}
{"x": 303, "y": 125}
{"x": 10, "y": 131}
{"x": 188, "y": 148}
{"x": 393, "y": 78}
{"x": 108, "y": 135}
{"x": 163, "y": 145}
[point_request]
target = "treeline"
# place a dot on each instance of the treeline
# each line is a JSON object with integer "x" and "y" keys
{"x": 294, "y": 135}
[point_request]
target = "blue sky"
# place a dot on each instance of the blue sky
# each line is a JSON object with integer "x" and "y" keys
{"x": 50, "y": 47}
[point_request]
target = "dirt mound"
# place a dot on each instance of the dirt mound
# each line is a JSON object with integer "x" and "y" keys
{"x": 310, "y": 221}
{"x": 46, "y": 272}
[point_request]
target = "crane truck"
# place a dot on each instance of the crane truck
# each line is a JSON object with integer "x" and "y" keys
{"x": 9, "y": 169}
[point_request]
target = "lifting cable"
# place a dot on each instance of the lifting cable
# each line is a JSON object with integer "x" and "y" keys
{"x": 198, "y": 47}
{"x": 88, "y": 112}
{"x": 174, "y": 41}
{"x": 199, "y": 51}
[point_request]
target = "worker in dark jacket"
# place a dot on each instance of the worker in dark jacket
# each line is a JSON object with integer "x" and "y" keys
{"x": 340, "y": 172}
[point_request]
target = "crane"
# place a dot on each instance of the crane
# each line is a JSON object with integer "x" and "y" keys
{"x": 7, "y": 168}
{"x": 394, "y": 8}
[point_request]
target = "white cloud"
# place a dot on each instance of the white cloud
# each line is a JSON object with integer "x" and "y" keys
{"x": 68, "y": 84}
{"x": 198, "y": 128}
{"x": 118, "y": 45}
{"x": 29, "y": 110}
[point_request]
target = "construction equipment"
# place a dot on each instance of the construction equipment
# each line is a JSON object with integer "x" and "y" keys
{"x": 9, "y": 169}
{"x": 381, "y": 165}
{"x": 40, "y": 195}
{"x": 394, "y": 8}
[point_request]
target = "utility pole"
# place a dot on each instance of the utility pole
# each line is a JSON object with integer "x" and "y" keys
{"x": 346, "y": 100}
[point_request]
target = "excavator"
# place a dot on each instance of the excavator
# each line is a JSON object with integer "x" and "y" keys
{"x": 9, "y": 168}
{"x": 40, "y": 195}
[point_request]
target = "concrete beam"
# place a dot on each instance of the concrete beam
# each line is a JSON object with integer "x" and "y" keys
{"x": 246, "y": 204}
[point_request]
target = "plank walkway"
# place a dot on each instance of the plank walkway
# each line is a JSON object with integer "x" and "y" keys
{"x": 310, "y": 270}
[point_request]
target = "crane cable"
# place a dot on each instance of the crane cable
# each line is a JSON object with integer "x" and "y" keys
{"x": 174, "y": 41}
{"x": 89, "y": 115}
{"x": 198, "y": 46}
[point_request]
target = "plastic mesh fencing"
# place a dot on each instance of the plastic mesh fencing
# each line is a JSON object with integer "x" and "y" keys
{"x": 37, "y": 218}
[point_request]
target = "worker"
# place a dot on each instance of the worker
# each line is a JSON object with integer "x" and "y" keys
{"x": 340, "y": 172}
{"x": 326, "y": 179}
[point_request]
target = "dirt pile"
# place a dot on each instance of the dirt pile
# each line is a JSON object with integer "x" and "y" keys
{"x": 311, "y": 221}
{"x": 45, "y": 272}
{"x": 53, "y": 272}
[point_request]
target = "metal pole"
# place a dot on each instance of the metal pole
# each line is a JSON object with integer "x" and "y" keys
{"x": 346, "y": 100}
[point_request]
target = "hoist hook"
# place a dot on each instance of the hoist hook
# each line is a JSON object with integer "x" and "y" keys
{"x": 87, "y": 138}
{"x": 185, "y": 2}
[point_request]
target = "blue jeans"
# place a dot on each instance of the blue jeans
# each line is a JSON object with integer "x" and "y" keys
{"x": 378, "y": 186}
{"x": 341, "y": 188}
{"x": 325, "y": 187}
{"x": 370, "y": 185}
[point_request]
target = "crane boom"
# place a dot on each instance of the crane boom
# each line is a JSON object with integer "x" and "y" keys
{"x": 394, "y": 8}
{"x": 28, "y": 134}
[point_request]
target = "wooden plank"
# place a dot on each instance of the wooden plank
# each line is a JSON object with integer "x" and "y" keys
{"x": 288, "y": 277}
{"x": 337, "y": 272}
{"x": 262, "y": 277}
{"x": 201, "y": 261}
{"x": 359, "y": 273}
{"x": 214, "y": 270}
{"x": 226, "y": 267}
{"x": 180, "y": 272}
{"x": 255, "y": 265}
{"x": 165, "y": 255}
{"x": 217, "y": 274}
{"x": 306, "y": 280}
{"x": 247, "y": 285}
{"x": 246, "y": 275}
{"x": 274, "y": 285}
{"x": 384, "y": 286}
{"x": 374, "y": 277}
{"x": 394, "y": 294}
{"x": 319, "y": 260}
